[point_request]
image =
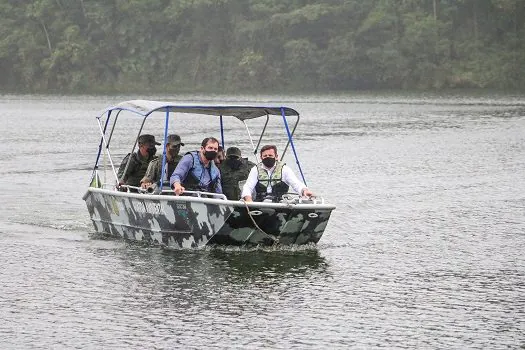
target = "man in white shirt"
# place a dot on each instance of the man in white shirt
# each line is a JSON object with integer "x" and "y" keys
{"x": 271, "y": 178}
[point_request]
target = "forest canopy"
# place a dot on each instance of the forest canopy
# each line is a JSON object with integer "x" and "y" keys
{"x": 90, "y": 46}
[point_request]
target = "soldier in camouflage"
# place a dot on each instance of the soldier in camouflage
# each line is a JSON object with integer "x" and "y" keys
{"x": 233, "y": 170}
{"x": 154, "y": 170}
{"x": 138, "y": 161}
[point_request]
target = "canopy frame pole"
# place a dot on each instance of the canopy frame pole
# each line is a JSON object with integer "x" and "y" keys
{"x": 249, "y": 135}
{"x": 293, "y": 133}
{"x": 134, "y": 144}
{"x": 113, "y": 127}
{"x": 290, "y": 141}
{"x": 106, "y": 146}
{"x": 222, "y": 131}
{"x": 101, "y": 141}
{"x": 260, "y": 138}
{"x": 164, "y": 163}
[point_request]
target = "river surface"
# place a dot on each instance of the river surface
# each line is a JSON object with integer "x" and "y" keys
{"x": 426, "y": 249}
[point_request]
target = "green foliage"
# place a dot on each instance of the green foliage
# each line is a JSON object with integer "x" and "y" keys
{"x": 260, "y": 45}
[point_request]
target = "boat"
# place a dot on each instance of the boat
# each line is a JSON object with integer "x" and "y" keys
{"x": 197, "y": 219}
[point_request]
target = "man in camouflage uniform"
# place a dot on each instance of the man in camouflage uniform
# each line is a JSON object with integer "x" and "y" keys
{"x": 153, "y": 172}
{"x": 138, "y": 161}
{"x": 234, "y": 169}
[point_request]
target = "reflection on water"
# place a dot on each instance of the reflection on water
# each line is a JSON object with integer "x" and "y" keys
{"x": 213, "y": 267}
{"x": 236, "y": 263}
{"x": 264, "y": 264}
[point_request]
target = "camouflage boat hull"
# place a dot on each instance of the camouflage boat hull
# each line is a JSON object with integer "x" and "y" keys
{"x": 191, "y": 222}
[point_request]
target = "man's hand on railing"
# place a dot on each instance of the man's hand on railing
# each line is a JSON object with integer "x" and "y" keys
{"x": 178, "y": 188}
{"x": 307, "y": 192}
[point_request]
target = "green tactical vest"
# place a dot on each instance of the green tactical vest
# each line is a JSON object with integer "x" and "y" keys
{"x": 263, "y": 180}
{"x": 136, "y": 169}
{"x": 156, "y": 169}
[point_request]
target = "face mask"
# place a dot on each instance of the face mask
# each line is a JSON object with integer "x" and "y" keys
{"x": 233, "y": 163}
{"x": 210, "y": 155}
{"x": 152, "y": 151}
{"x": 173, "y": 152}
{"x": 268, "y": 162}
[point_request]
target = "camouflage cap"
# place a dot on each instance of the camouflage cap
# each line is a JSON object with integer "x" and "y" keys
{"x": 233, "y": 151}
{"x": 147, "y": 139}
{"x": 174, "y": 140}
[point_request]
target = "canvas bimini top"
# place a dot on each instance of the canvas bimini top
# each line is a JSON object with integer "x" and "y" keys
{"x": 145, "y": 108}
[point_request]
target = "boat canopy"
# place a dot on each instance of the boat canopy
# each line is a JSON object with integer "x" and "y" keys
{"x": 145, "y": 108}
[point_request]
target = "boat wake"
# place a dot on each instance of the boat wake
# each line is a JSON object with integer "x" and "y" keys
{"x": 274, "y": 248}
{"x": 79, "y": 226}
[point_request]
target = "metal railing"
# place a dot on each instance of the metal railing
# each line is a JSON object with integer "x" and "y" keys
{"x": 154, "y": 190}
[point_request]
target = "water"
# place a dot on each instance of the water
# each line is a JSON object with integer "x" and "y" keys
{"x": 424, "y": 250}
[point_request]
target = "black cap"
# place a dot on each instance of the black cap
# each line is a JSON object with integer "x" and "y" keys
{"x": 147, "y": 139}
{"x": 174, "y": 140}
{"x": 233, "y": 151}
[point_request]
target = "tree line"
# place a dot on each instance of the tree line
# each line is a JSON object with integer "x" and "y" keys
{"x": 100, "y": 46}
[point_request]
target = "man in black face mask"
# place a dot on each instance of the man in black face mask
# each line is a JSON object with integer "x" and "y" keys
{"x": 271, "y": 178}
{"x": 233, "y": 170}
{"x": 152, "y": 175}
{"x": 131, "y": 174}
{"x": 197, "y": 171}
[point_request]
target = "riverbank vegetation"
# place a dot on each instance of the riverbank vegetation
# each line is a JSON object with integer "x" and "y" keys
{"x": 90, "y": 46}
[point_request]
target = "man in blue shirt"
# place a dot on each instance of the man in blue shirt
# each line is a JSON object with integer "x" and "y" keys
{"x": 197, "y": 171}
